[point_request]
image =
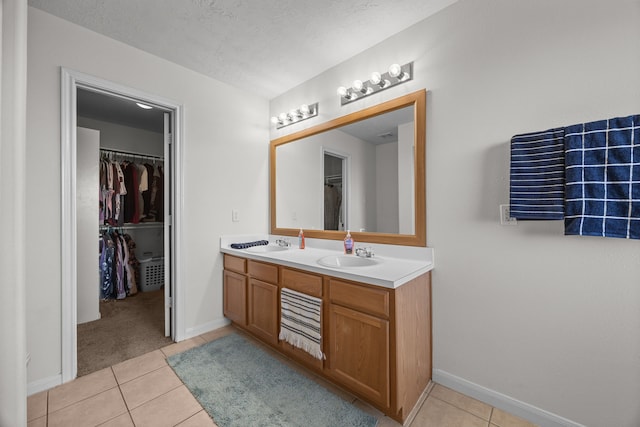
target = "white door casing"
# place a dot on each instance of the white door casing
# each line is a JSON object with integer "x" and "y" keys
{"x": 71, "y": 81}
{"x": 168, "y": 227}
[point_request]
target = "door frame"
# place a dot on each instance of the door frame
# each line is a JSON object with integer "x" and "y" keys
{"x": 71, "y": 80}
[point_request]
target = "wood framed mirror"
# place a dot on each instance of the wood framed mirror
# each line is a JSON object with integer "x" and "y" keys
{"x": 363, "y": 172}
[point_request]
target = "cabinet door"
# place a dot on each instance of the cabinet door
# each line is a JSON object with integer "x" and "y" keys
{"x": 263, "y": 310}
{"x": 235, "y": 297}
{"x": 359, "y": 353}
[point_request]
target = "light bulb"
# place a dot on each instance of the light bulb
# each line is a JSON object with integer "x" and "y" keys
{"x": 376, "y": 78}
{"x": 395, "y": 70}
{"x": 357, "y": 85}
{"x": 342, "y": 91}
{"x": 282, "y": 117}
{"x": 294, "y": 114}
{"x": 274, "y": 120}
{"x": 304, "y": 109}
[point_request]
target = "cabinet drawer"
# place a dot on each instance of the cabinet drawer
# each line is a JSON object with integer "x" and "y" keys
{"x": 262, "y": 271}
{"x": 239, "y": 265}
{"x": 309, "y": 284}
{"x": 370, "y": 300}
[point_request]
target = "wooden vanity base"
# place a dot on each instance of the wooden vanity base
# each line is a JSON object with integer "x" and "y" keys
{"x": 377, "y": 340}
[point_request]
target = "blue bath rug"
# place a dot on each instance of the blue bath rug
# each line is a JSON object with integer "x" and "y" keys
{"x": 241, "y": 385}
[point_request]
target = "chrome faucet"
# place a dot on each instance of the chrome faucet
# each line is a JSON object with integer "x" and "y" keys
{"x": 365, "y": 252}
{"x": 283, "y": 243}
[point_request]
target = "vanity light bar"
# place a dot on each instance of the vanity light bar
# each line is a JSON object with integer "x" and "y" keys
{"x": 306, "y": 111}
{"x": 377, "y": 82}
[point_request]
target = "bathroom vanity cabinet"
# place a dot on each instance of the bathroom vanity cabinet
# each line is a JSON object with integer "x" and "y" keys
{"x": 262, "y": 301}
{"x": 250, "y": 290}
{"x": 377, "y": 340}
{"x": 359, "y": 339}
{"x": 235, "y": 290}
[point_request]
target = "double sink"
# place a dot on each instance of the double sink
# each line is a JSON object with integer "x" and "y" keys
{"x": 332, "y": 261}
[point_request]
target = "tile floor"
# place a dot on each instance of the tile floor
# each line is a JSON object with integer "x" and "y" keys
{"x": 145, "y": 391}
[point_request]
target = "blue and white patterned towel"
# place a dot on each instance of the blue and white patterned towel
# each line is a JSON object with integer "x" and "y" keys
{"x": 537, "y": 175}
{"x": 603, "y": 178}
{"x": 249, "y": 244}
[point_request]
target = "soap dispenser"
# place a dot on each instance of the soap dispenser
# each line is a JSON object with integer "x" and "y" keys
{"x": 348, "y": 243}
{"x": 301, "y": 239}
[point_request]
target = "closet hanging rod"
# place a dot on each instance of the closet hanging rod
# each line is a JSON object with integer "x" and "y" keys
{"x": 130, "y": 154}
{"x": 333, "y": 178}
{"x": 132, "y": 226}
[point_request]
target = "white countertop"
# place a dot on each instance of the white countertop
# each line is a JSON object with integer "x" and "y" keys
{"x": 395, "y": 265}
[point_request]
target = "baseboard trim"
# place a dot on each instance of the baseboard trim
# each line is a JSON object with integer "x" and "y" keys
{"x": 513, "y": 406}
{"x": 206, "y": 327}
{"x": 418, "y": 405}
{"x": 43, "y": 384}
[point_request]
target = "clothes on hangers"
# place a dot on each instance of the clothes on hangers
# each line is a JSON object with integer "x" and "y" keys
{"x": 156, "y": 198}
{"x": 332, "y": 207}
{"x": 119, "y": 267}
{"x": 130, "y": 192}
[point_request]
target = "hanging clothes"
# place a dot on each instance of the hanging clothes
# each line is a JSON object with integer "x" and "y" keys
{"x": 119, "y": 268}
{"x": 133, "y": 265}
{"x": 131, "y": 200}
{"x": 107, "y": 266}
{"x": 130, "y": 193}
{"x": 156, "y": 200}
{"x": 332, "y": 207}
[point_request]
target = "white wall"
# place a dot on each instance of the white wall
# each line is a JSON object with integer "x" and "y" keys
{"x": 126, "y": 138}
{"x": 386, "y": 180}
{"x": 548, "y": 320}
{"x": 406, "y": 178}
{"x": 225, "y": 151}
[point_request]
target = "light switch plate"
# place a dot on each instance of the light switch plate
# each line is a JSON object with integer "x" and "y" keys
{"x": 505, "y": 217}
{"x": 234, "y": 216}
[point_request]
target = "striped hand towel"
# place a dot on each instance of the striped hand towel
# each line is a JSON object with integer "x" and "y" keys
{"x": 603, "y": 178}
{"x": 300, "y": 325}
{"x": 537, "y": 175}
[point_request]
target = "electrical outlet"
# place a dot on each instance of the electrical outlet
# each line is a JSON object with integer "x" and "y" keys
{"x": 505, "y": 217}
{"x": 234, "y": 216}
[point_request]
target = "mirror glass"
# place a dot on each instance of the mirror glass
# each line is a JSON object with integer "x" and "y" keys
{"x": 363, "y": 172}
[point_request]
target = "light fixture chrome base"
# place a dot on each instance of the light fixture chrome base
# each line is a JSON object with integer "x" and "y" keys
{"x": 369, "y": 87}
{"x": 306, "y": 111}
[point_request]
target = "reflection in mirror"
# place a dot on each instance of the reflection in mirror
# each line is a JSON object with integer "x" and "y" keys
{"x": 334, "y": 190}
{"x": 363, "y": 172}
{"x": 362, "y": 160}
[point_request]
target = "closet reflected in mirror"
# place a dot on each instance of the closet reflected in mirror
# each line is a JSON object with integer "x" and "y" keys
{"x": 335, "y": 187}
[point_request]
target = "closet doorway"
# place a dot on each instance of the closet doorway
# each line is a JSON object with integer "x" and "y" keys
{"x": 119, "y": 253}
{"x": 335, "y": 188}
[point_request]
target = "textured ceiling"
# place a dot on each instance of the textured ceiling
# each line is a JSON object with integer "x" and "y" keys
{"x": 265, "y": 46}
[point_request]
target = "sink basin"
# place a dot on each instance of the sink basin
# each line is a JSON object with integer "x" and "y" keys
{"x": 266, "y": 248}
{"x": 346, "y": 261}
